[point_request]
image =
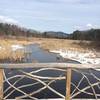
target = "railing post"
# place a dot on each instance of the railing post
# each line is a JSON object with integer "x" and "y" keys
{"x": 68, "y": 85}
{"x": 1, "y": 84}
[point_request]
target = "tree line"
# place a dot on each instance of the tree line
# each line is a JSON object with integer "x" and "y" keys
{"x": 14, "y": 30}
{"x": 92, "y": 34}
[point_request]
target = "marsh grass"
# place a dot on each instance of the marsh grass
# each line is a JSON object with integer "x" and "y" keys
{"x": 7, "y": 55}
{"x": 65, "y": 44}
{"x": 45, "y": 43}
{"x": 6, "y": 52}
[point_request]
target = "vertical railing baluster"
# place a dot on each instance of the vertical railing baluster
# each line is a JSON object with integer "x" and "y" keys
{"x": 68, "y": 84}
{"x": 1, "y": 84}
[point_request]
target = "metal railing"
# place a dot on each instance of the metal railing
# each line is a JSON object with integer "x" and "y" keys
{"x": 86, "y": 80}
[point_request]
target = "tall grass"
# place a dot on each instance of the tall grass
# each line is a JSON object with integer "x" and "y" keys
{"x": 6, "y": 52}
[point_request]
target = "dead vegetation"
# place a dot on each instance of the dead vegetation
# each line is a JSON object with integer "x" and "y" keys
{"x": 6, "y": 52}
{"x": 65, "y": 44}
{"x": 45, "y": 43}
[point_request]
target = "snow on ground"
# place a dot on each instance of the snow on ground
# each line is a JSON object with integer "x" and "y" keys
{"x": 13, "y": 47}
{"x": 16, "y": 47}
{"x": 84, "y": 58}
{"x": 0, "y": 47}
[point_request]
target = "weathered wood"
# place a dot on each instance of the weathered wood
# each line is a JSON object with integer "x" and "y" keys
{"x": 50, "y": 65}
{"x": 68, "y": 85}
{"x": 1, "y": 84}
{"x": 58, "y": 99}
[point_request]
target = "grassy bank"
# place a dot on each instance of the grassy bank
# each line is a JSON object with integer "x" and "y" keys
{"x": 65, "y": 44}
{"x": 10, "y": 41}
{"x": 45, "y": 43}
{"x": 6, "y": 52}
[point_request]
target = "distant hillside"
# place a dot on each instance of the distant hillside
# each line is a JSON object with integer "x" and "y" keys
{"x": 14, "y": 30}
{"x": 52, "y": 34}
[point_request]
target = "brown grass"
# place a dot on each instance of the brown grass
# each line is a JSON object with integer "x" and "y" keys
{"x": 9, "y": 42}
{"x": 6, "y": 51}
{"x": 11, "y": 56}
{"x": 65, "y": 44}
{"x": 45, "y": 43}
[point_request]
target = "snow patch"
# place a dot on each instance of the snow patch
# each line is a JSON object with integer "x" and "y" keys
{"x": 84, "y": 58}
{"x": 16, "y": 47}
{"x": 5, "y": 19}
{"x": 0, "y": 47}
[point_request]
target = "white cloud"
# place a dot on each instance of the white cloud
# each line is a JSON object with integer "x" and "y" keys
{"x": 4, "y": 19}
{"x": 85, "y": 27}
{"x": 92, "y": 26}
{"x": 89, "y": 25}
{"x": 57, "y": 1}
{"x": 70, "y": 1}
{"x": 88, "y": 1}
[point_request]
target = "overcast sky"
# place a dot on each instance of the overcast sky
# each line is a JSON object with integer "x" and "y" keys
{"x": 52, "y": 15}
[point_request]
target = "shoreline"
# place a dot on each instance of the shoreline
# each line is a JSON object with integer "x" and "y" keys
{"x": 12, "y": 50}
{"x": 68, "y": 49}
{"x": 83, "y": 58}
